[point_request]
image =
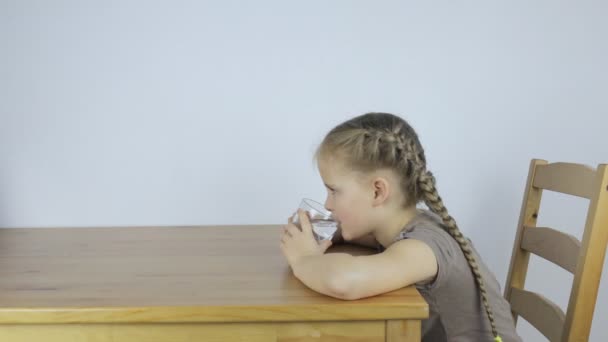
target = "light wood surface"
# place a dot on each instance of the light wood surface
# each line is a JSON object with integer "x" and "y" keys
{"x": 520, "y": 258}
{"x": 590, "y": 263}
{"x": 360, "y": 331}
{"x": 199, "y": 278}
{"x": 584, "y": 258}
{"x": 558, "y": 247}
{"x": 568, "y": 178}
{"x": 402, "y": 330}
{"x": 539, "y": 311}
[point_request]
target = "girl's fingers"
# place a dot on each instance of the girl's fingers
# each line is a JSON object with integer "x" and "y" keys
{"x": 292, "y": 219}
{"x": 292, "y": 230}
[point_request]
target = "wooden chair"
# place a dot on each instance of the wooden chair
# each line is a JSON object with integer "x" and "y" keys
{"x": 584, "y": 260}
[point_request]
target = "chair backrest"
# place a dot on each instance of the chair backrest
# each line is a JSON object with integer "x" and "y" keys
{"x": 583, "y": 259}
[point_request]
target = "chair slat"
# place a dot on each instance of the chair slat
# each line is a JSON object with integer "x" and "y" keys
{"x": 539, "y": 311}
{"x": 568, "y": 178}
{"x": 560, "y": 248}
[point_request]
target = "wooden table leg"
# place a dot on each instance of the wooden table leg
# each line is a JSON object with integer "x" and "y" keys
{"x": 403, "y": 331}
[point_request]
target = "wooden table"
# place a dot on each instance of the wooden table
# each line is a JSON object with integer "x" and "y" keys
{"x": 189, "y": 283}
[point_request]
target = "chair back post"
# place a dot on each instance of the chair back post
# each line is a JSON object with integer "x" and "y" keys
{"x": 590, "y": 263}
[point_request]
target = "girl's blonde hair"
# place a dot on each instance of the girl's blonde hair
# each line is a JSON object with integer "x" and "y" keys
{"x": 375, "y": 141}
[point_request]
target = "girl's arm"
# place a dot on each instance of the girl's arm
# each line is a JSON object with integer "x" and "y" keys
{"x": 343, "y": 276}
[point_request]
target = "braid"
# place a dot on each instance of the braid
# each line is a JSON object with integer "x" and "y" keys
{"x": 434, "y": 202}
{"x": 393, "y": 143}
{"x": 401, "y": 153}
{"x": 386, "y": 140}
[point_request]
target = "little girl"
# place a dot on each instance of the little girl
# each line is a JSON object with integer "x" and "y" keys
{"x": 375, "y": 171}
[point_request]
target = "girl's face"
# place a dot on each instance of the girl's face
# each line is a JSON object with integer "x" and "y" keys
{"x": 347, "y": 198}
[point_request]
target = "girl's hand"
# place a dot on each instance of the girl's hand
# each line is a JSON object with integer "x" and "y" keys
{"x": 297, "y": 244}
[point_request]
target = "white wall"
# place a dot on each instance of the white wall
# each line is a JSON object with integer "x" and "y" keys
{"x": 176, "y": 113}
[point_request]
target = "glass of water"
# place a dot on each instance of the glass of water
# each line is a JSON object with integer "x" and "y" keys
{"x": 323, "y": 225}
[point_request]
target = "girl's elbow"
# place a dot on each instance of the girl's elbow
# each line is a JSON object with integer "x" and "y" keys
{"x": 340, "y": 286}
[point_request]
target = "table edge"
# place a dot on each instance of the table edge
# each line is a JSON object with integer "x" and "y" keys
{"x": 212, "y": 314}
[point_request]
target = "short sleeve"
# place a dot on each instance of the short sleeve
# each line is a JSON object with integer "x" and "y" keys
{"x": 443, "y": 246}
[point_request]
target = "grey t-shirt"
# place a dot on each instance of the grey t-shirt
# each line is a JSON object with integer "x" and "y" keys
{"x": 457, "y": 313}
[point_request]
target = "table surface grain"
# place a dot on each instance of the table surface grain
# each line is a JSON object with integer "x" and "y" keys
{"x": 231, "y": 273}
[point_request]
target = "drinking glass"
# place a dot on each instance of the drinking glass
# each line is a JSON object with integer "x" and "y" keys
{"x": 323, "y": 225}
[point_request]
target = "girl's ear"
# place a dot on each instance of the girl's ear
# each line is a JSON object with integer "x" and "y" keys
{"x": 381, "y": 191}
